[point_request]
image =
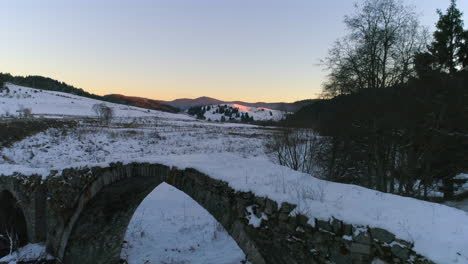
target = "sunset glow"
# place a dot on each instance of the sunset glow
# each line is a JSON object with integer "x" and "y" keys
{"x": 230, "y": 50}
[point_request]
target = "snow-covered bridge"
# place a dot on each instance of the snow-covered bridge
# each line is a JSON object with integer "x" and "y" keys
{"x": 82, "y": 217}
{"x": 275, "y": 214}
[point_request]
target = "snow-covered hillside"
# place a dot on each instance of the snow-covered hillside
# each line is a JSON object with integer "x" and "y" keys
{"x": 58, "y": 104}
{"x": 236, "y": 112}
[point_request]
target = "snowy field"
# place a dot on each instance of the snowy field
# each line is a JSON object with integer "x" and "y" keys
{"x": 233, "y": 153}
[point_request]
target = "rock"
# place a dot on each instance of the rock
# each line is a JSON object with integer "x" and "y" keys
{"x": 400, "y": 252}
{"x": 287, "y": 208}
{"x": 404, "y": 243}
{"x": 248, "y": 195}
{"x": 338, "y": 258}
{"x": 363, "y": 238}
{"x": 283, "y": 217}
{"x": 357, "y": 248}
{"x": 325, "y": 225}
{"x": 270, "y": 207}
{"x": 302, "y": 220}
{"x": 382, "y": 235}
{"x": 347, "y": 230}
{"x": 336, "y": 226}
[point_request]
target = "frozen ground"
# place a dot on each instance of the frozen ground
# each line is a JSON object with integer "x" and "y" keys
{"x": 234, "y": 153}
{"x": 30, "y": 252}
{"x": 186, "y": 233}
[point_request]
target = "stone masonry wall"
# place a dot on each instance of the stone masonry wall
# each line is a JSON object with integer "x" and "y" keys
{"x": 88, "y": 211}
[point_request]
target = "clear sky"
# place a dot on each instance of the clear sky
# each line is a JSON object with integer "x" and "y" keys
{"x": 252, "y": 50}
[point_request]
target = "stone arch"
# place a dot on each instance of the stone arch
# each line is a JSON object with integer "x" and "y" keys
{"x": 12, "y": 223}
{"x": 29, "y": 195}
{"x": 96, "y": 230}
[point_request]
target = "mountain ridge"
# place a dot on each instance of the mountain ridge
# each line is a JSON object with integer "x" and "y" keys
{"x": 46, "y": 83}
{"x": 186, "y": 103}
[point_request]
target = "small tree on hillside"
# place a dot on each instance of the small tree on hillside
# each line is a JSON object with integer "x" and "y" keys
{"x": 104, "y": 113}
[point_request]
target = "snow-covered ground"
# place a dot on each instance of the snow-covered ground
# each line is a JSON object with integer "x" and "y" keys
{"x": 462, "y": 186}
{"x": 58, "y": 104}
{"x": 186, "y": 232}
{"x": 236, "y": 112}
{"x": 30, "y": 252}
{"x": 234, "y": 153}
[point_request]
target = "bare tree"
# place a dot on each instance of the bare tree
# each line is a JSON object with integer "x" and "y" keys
{"x": 104, "y": 113}
{"x": 294, "y": 148}
{"x": 379, "y": 50}
{"x": 24, "y": 112}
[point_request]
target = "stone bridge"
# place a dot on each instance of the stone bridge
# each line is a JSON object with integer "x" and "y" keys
{"x": 82, "y": 216}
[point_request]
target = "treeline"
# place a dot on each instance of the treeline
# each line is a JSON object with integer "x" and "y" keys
{"x": 405, "y": 140}
{"x": 396, "y": 117}
{"x": 45, "y": 83}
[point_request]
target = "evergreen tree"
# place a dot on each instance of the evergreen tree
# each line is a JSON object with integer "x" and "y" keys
{"x": 448, "y": 48}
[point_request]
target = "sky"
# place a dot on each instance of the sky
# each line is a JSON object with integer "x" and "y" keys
{"x": 251, "y": 50}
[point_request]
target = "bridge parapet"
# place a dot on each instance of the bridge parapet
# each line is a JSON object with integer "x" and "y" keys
{"x": 88, "y": 211}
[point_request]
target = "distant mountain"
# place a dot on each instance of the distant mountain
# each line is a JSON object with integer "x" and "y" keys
{"x": 185, "y": 103}
{"x": 140, "y": 102}
{"x": 49, "y": 84}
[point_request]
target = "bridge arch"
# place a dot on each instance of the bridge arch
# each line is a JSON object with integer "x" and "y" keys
{"x": 13, "y": 226}
{"x": 96, "y": 230}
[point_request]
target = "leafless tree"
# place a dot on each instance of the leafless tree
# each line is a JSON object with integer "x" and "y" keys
{"x": 24, "y": 112}
{"x": 378, "y": 52}
{"x": 294, "y": 148}
{"x": 104, "y": 113}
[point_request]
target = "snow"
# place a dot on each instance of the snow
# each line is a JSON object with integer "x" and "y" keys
{"x": 185, "y": 233}
{"x": 58, "y": 104}
{"x": 254, "y": 220}
{"x": 258, "y": 113}
{"x": 30, "y": 252}
{"x": 462, "y": 186}
{"x": 233, "y": 153}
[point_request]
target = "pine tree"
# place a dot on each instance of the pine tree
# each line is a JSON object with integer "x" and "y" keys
{"x": 448, "y": 48}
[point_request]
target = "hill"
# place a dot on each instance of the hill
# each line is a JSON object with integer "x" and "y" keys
{"x": 236, "y": 112}
{"x": 140, "y": 102}
{"x": 186, "y": 103}
{"x": 14, "y": 99}
{"x": 49, "y": 84}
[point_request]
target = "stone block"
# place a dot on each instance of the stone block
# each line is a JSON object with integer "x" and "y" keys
{"x": 358, "y": 248}
{"x": 363, "y": 238}
{"x": 400, "y": 252}
{"x": 382, "y": 235}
